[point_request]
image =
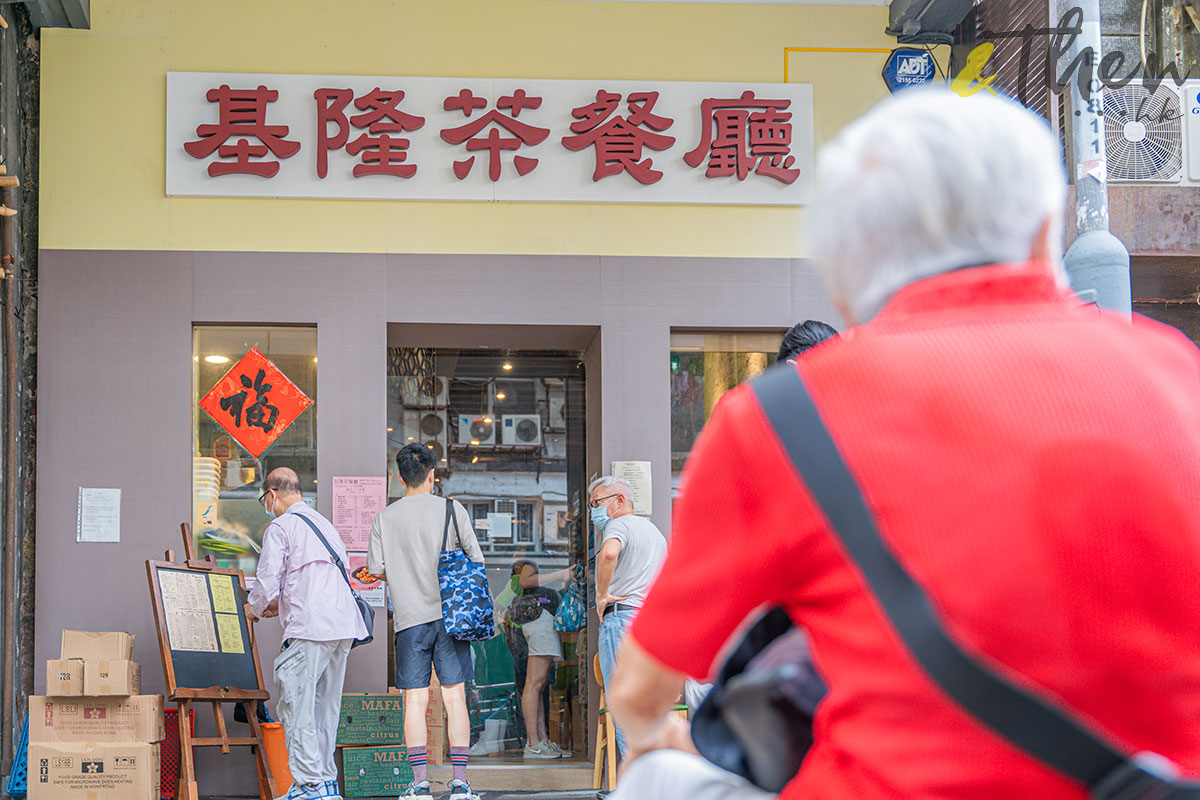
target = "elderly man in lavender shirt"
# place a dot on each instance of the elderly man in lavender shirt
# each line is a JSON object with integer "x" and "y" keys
{"x": 298, "y": 581}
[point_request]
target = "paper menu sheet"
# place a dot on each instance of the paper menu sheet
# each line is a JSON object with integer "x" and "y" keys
{"x": 188, "y": 611}
{"x": 356, "y": 501}
{"x": 638, "y": 475}
{"x": 223, "y": 597}
{"x": 229, "y": 630}
{"x": 99, "y": 515}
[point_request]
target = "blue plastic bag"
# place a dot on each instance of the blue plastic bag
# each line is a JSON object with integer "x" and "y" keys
{"x": 572, "y": 611}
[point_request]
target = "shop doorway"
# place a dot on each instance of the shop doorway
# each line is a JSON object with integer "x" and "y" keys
{"x": 508, "y": 429}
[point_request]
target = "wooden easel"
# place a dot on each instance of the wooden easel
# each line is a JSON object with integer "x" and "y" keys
{"x": 184, "y": 697}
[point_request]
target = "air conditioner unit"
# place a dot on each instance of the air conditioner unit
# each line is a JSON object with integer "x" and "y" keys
{"x": 437, "y": 448}
{"x": 1191, "y": 130}
{"x": 1153, "y": 136}
{"x": 522, "y": 429}
{"x": 425, "y": 425}
{"x": 424, "y": 391}
{"x": 476, "y": 430}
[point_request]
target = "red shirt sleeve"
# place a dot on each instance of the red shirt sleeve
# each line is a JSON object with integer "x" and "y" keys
{"x": 734, "y": 542}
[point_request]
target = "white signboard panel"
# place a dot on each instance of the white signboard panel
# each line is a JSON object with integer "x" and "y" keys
{"x": 486, "y": 139}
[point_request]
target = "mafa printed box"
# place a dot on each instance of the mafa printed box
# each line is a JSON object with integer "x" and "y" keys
{"x": 375, "y": 771}
{"x": 371, "y": 719}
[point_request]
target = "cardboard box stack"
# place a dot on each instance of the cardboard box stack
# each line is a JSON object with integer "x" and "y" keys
{"x": 371, "y": 740}
{"x": 93, "y": 737}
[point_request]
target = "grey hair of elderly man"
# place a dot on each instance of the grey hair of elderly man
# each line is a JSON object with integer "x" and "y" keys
{"x": 619, "y": 486}
{"x": 929, "y": 182}
{"x": 925, "y": 183}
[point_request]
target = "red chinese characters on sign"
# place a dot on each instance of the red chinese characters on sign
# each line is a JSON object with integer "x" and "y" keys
{"x": 619, "y": 140}
{"x": 739, "y": 134}
{"x": 382, "y": 153}
{"x": 255, "y": 402}
{"x": 522, "y": 133}
{"x": 242, "y": 115}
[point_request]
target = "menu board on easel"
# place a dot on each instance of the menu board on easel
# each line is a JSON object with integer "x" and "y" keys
{"x": 208, "y": 654}
{"x": 208, "y": 642}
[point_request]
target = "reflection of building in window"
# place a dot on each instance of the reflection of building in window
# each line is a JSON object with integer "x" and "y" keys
{"x": 703, "y": 367}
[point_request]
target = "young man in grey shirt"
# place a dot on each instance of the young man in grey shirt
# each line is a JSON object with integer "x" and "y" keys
{"x": 406, "y": 541}
{"x": 630, "y": 555}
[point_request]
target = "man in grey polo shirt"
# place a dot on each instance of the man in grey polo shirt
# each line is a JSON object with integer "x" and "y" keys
{"x": 631, "y": 552}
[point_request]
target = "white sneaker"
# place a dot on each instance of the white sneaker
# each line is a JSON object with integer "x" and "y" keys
{"x": 461, "y": 790}
{"x": 540, "y": 750}
{"x": 561, "y": 753}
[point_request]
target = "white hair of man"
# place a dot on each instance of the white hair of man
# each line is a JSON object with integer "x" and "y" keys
{"x": 618, "y": 485}
{"x": 928, "y": 182}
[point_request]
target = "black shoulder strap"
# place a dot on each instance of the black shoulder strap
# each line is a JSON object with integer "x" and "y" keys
{"x": 337, "y": 560}
{"x": 450, "y": 515}
{"x": 1020, "y": 716}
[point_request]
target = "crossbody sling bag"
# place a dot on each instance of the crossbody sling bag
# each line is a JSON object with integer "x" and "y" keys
{"x": 364, "y": 608}
{"x": 1022, "y": 717}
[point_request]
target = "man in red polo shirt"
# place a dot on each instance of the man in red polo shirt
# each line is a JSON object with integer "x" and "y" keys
{"x": 1033, "y": 462}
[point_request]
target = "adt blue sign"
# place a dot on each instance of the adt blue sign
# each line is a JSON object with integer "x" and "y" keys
{"x": 906, "y": 67}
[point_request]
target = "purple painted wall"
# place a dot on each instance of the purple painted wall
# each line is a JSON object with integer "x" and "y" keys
{"x": 114, "y": 400}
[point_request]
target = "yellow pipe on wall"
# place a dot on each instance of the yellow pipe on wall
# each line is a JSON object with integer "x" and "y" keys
{"x": 787, "y": 50}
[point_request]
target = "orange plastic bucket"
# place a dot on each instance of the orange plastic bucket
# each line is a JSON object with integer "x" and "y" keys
{"x": 275, "y": 747}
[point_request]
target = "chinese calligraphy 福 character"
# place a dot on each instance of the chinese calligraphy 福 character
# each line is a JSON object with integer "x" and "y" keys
{"x": 745, "y": 138}
{"x": 522, "y": 133}
{"x": 382, "y": 153}
{"x": 254, "y": 414}
{"x": 619, "y": 140}
{"x": 242, "y": 113}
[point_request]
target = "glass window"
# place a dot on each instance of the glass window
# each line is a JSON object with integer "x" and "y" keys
{"x": 703, "y": 367}
{"x": 507, "y": 431}
{"x": 227, "y": 519}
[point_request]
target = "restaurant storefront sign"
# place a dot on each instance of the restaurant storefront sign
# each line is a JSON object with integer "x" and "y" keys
{"x": 485, "y": 139}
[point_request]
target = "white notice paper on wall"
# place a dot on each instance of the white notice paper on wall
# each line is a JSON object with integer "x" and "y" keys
{"x": 99, "y": 516}
{"x": 638, "y": 475}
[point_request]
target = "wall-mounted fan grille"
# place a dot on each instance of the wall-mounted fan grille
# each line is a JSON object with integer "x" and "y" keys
{"x": 1143, "y": 133}
{"x": 481, "y": 430}
{"x": 527, "y": 431}
{"x": 432, "y": 424}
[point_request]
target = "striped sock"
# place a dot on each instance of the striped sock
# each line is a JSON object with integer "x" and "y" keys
{"x": 419, "y": 761}
{"x": 458, "y": 760}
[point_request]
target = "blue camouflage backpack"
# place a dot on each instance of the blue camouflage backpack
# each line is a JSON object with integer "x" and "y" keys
{"x": 467, "y": 610}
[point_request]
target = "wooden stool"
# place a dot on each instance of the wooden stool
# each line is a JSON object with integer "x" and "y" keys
{"x": 606, "y": 742}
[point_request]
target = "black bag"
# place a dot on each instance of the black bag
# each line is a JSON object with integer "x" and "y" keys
{"x": 1019, "y": 715}
{"x": 756, "y": 721}
{"x": 364, "y": 608}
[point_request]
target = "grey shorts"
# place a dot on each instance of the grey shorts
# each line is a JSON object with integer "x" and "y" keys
{"x": 422, "y": 645}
